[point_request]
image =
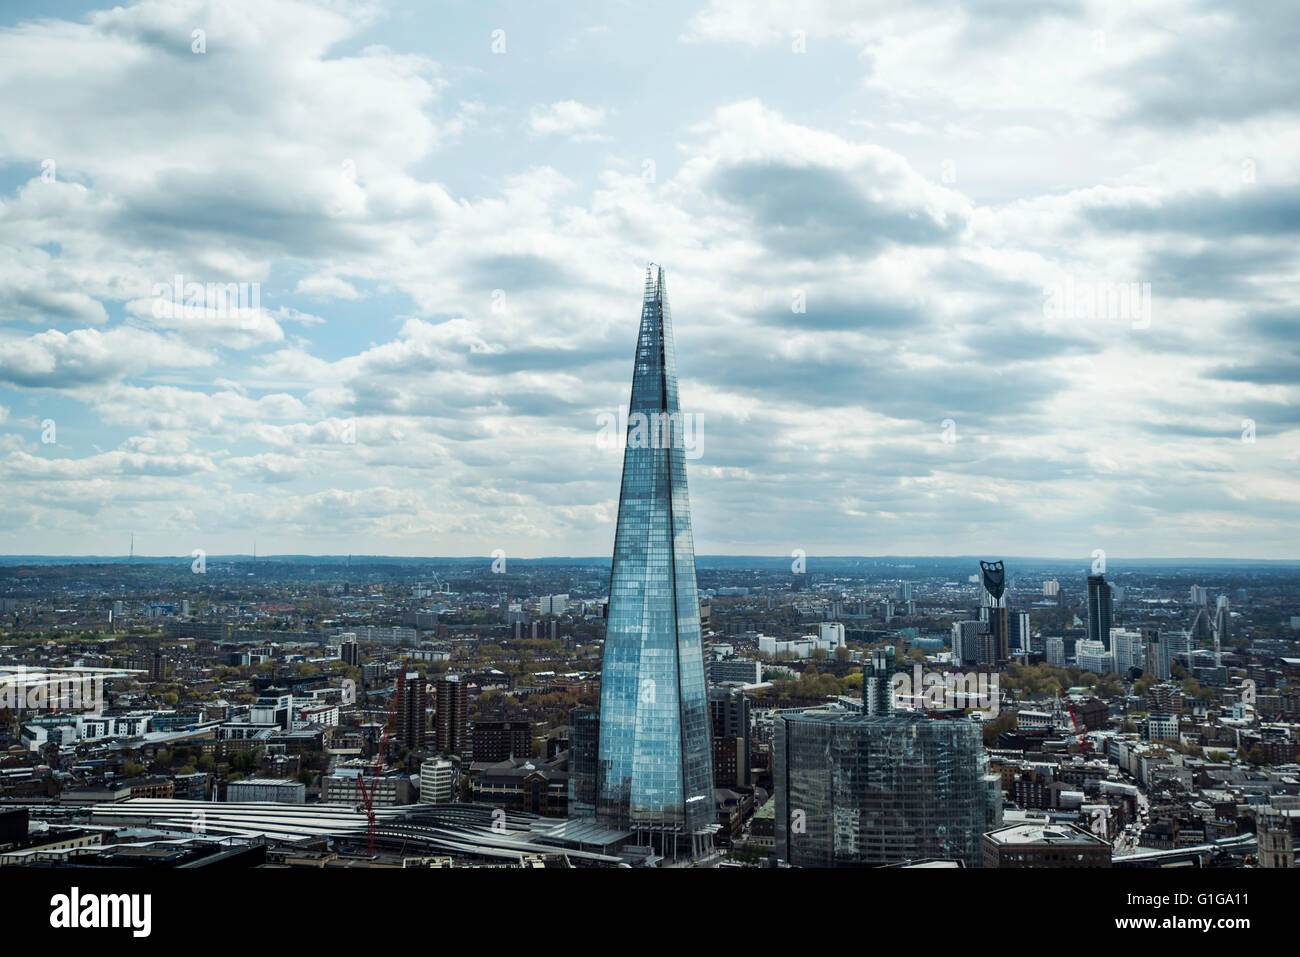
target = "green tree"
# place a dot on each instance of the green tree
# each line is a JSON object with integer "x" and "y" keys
{"x": 1005, "y": 721}
{"x": 747, "y": 853}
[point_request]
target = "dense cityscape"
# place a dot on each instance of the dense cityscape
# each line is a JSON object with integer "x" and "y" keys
{"x": 277, "y": 682}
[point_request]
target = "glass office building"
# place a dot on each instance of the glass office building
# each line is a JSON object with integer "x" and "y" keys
{"x": 857, "y": 790}
{"x": 1101, "y": 610}
{"x": 655, "y": 775}
{"x": 584, "y": 744}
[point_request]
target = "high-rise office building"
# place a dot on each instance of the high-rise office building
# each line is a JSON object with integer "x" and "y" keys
{"x": 655, "y": 772}
{"x": 1127, "y": 649}
{"x": 1101, "y": 613}
{"x": 1199, "y": 595}
{"x": 1051, "y": 588}
{"x": 967, "y": 646}
{"x": 1180, "y": 644}
{"x": 1023, "y": 640}
{"x": 1095, "y": 657}
{"x": 451, "y": 717}
{"x": 878, "y": 682}
{"x": 349, "y": 651}
{"x": 552, "y": 604}
{"x": 1157, "y": 652}
{"x": 159, "y": 667}
{"x": 1054, "y": 651}
{"x": 855, "y": 789}
{"x": 411, "y": 706}
{"x": 729, "y": 727}
{"x": 584, "y": 746}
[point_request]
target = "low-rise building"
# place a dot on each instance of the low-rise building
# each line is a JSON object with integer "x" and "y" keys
{"x": 1035, "y": 844}
{"x": 267, "y": 791}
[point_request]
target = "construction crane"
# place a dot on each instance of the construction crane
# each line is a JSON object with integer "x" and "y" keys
{"x": 1080, "y": 736}
{"x": 1097, "y": 823}
{"x": 439, "y": 586}
{"x": 366, "y": 802}
{"x": 1080, "y": 733}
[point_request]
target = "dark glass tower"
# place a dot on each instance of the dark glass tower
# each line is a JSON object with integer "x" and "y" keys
{"x": 655, "y": 772}
{"x": 1101, "y": 611}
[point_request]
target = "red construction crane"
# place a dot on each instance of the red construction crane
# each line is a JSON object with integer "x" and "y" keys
{"x": 1098, "y": 823}
{"x": 1080, "y": 732}
{"x": 367, "y": 793}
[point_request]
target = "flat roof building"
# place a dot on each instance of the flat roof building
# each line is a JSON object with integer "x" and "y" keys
{"x": 267, "y": 791}
{"x": 1036, "y": 844}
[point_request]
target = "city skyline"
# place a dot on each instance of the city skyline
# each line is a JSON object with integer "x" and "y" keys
{"x": 18, "y": 558}
{"x": 890, "y": 230}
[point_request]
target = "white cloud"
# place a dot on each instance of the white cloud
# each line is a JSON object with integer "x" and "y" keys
{"x": 54, "y": 359}
{"x": 567, "y": 117}
{"x": 326, "y": 287}
{"x": 854, "y": 255}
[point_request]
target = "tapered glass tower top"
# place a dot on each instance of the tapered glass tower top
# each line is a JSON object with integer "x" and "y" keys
{"x": 654, "y": 769}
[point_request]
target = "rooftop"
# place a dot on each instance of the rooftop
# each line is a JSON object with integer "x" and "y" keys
{"x": 1035, "y": 833}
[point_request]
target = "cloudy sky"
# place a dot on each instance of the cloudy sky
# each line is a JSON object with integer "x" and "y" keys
{"x": 889, "y": 231}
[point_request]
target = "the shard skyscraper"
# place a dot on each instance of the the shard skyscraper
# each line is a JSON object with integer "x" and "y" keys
{"x": 654, "y": 769}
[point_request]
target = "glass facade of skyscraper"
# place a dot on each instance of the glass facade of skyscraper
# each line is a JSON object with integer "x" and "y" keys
{"x": 860, "y": 790}
{"x": 654, "y": 771}
{"x": 584, "y": 745}
{"x": 1101, "y": 611}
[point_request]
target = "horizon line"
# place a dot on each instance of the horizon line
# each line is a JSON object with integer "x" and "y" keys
{"x": 974, "y": 556}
